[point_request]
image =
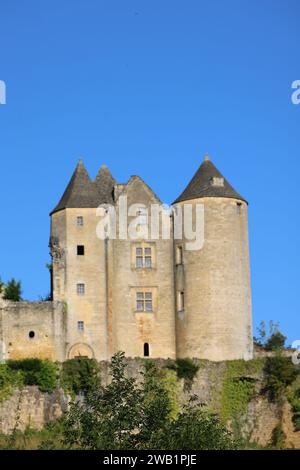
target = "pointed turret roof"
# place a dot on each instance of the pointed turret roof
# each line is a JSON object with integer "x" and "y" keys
{"x": 104, "y": 185}
{"x": 80, "y": 191}
{"x": 208, "y": 182}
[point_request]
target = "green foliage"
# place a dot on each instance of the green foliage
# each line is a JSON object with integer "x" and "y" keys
{"x": 272, "y": 341}
{"x": 185, "y": 369}
{"x": 130, "y": 415}
{"x": 276, "y": 341}
{"x": 278, "y": 437}
{"x": 80, "y": 375}
{"x": 13, "y": 290}
{"x": 48, "y": 438}
{"x": 195, "y": 429}
{"x": 42, "y": 373}
{"x": 279, "y": 373}
{"x": 110, "y": 415}
{"x": 238, "y": 389}
{"x": 294, "y": 399}
{"x": 9, "y": 381}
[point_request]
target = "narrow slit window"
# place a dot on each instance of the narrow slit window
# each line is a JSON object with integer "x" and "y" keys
{"x": 239, "y": 208}
{"x": 179, "y": 257}
{"x": 180, "y": 301}
{"x": 146, "y": 350}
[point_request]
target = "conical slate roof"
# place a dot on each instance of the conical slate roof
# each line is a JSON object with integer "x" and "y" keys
{"x": 81, "y": 192}
{"x": 208, "y": 182}
{"x": 104, "y": 185}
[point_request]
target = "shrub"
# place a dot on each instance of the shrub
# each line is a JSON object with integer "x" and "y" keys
{"x": 279, "y": 373}
{"x": 185, "y": 369}
{"x": 195, "y": 429}
{"x": 278, "y": 437}
{"x": 9, "y": 380}
{"x": 80, "y": 375}
{"x": 42, "y": 373}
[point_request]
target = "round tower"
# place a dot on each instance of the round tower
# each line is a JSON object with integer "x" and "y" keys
{"x": 213, "y": 319}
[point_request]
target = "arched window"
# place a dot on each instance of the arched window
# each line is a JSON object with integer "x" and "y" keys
{"x": 146, "y": 349}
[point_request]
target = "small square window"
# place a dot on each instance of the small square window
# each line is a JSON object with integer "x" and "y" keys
{"x": 143, "y": 257}
{"x": 80, "y": 250}
{"x": 80, "y": 325}
{"x": 80, "y": 289}
{"x": 144, "y": 302}
{"x": 79, "y": 221}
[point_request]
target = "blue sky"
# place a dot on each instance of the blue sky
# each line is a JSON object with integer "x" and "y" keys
{"x": 148, "y": 87}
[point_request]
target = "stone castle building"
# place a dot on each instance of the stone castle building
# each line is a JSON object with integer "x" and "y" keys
{"x": 142, "y": 295}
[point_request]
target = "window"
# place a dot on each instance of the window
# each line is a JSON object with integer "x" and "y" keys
{"x": 79, "y": 221}
{"x": 80, "y": 250}
{"x": 80, "y": 325}
{"x": 180, "y": 301}
{"x": 146, "y": 350}
{"x": 179, "y": 255}
{"x": 239, "y": 208}
{"x": 216, "y": 181}
{"x": 139, "y": 258}
{"x": 143, "y": 257}
{"x": 144, "y": 302}
{"x": 80, "y": 289}
{"x": 31, "y": 334}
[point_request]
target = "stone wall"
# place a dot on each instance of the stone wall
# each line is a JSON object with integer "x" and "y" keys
{"x": 32, "y": 329}
{"x": 30, "y": 407}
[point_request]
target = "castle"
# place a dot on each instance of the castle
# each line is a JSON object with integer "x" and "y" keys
{"x": 146, "y": 296}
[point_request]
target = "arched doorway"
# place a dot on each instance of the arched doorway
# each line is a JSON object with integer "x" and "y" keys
{"x": 80, "y": 350}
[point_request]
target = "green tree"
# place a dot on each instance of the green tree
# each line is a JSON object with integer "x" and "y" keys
{"x": 13, "y": 290}
{"x": 272, "y": 340}
{"x": 109, "y": 416}
{"x": 80, "y": 375}
{"x": 127, "y": 414}
{"x": 275, "y": 341}
{"x": 195, "y": 429}
{"x": 279, "y": 373}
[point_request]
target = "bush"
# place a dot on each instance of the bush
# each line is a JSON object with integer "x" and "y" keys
{"x": 42, "y": 373}
{"x": 279, "y": 373}
{"x": 80, "y": 375}
{"x": 9, "y": 380}
{"x": 195, "y": 429}
{"x": 278, "y": 437}
{"x": 185, "y": 369}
